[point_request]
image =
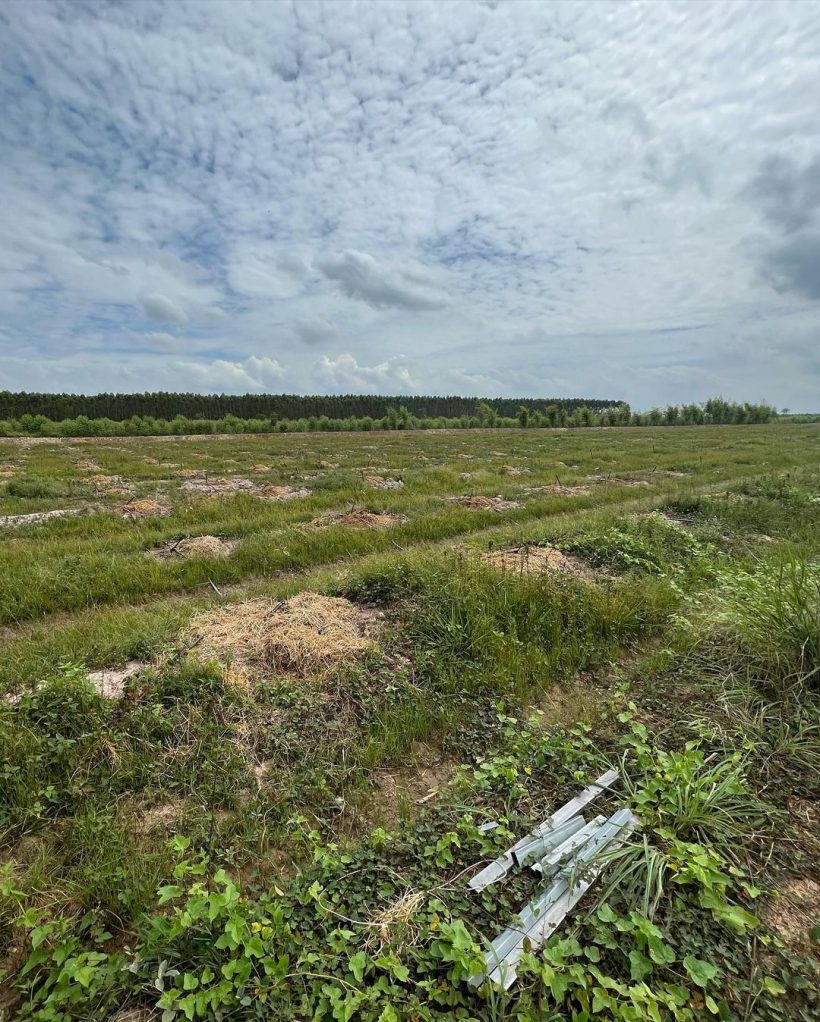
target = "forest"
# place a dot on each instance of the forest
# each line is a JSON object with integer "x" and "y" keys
{"x": 477, "y": 414}
{"x": 164, "y": 405}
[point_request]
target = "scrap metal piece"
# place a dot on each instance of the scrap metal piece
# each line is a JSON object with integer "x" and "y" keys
{"x": 546, "y": 842}
{"x": 542, "y": 916}
{"x": 549, "y": 862}
{"x": 504, "y": 863}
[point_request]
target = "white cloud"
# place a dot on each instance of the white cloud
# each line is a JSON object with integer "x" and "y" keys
{"x": 345, "y": 374}
{"x": 360, "y": 276}
{"x": 161, "y": 308}
{"x": 418, "y": 186}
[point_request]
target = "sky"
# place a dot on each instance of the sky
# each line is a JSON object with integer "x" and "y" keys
{"x": 484, "y": 198}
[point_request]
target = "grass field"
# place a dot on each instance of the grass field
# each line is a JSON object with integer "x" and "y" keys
{"x": 322, "y": 661}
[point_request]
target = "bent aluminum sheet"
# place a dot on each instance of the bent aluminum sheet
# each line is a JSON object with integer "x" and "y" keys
{"x": 524, "y": 848}
{"x": 542, "y": 916}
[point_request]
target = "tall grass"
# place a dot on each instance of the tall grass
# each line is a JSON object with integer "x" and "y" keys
{"x": 769, "y": 621}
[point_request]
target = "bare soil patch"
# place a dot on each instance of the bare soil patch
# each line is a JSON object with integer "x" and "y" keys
{"x": 361, "y": 518}
{"x": 195, "y": 546}
{"x": 36, "y": 517}
{"x": 308, "y": 635}
{"x": 528, "y": 559}
{"x": 559, "y": 490}
{"x": 616, "y": 481}
{"x": 481, "y": 503}
{"x": 110, "y": 682}
{"x": 218, "y": 485}
{"x": 145, "y": 508}
{"x": 794, "y": 910}
{"x": 398, "y": 792}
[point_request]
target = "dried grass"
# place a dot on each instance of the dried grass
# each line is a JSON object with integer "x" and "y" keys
{"x": 481, "y": 503}
{"x": 145, "y": 508}
{"x": 308, "y": 635}
{"x": 361, "y": 518}
{"x": 196, "y": 546}
{"x": 105, "y": 482}
{"x": 218, "y": 485}
{"x": 559, "y": 490}
{"x": 616, "y": 481}
{"x": 384, "y": 483}
{"x": 282, "y": 492}
{"x": 528, "y": 559}
{"x": 394, "y": 924}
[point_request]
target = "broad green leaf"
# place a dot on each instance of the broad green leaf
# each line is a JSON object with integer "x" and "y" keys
{"x": 700, "y": 972}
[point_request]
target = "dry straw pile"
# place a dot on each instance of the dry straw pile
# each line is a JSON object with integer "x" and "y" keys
{"x": 143, "y": 509}
{"x": 361, "y": 518}
{"x": 527, "y": 559}
{"x": 308, "y": 635}
{"x": 481, "y": 503}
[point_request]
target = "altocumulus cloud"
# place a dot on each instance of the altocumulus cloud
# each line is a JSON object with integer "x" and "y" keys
{"x": 360, "y": 276}
{"x": 505, "y": 198}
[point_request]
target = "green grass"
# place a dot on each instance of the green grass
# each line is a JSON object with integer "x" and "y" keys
{"x": 691, "y": 660}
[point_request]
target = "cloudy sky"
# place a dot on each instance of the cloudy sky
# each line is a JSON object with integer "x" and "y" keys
{"x": 500, "y": 198}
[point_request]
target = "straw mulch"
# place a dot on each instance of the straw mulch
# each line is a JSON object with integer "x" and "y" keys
{"x": 146, "y": 508}
{"x": 384, "y": 483}
{"x": 559, "y": 490}
{"x": 196, "y": 546}
{"x": 528, "y": 559}
{"x": 232, "y": 485}
{"x": 306, "y": 636}
{"x": 481, "y": 503}
{"x": 361, "y": 518}
{"x": 282, "y": 492}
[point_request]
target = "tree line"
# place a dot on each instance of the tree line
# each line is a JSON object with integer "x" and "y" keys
{"x": 482, "y": 414}
{"x": 166, "y": 405}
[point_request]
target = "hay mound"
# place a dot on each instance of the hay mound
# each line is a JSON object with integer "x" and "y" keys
{"x": 384, "y": 483}
{"x": 217, "y": 485}
{"x": 196, "y": 546}
{"x": 306, "y": 635}
{"x": 481, "y": 503}
{"x": 104, "y": 482}
{"x": 528, "y": 559}
{"x": 146, "y": 508}
{"x": 282, "y": 492}
{"x": 513, "y": 470}
{"x": 361, "y": 518}
{"x": 559, "y": 490}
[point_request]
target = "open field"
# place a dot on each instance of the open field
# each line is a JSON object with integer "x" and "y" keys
{"x": 320, "y": 662}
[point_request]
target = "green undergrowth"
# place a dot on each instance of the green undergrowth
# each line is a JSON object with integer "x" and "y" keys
{"x": 207, "y": 850}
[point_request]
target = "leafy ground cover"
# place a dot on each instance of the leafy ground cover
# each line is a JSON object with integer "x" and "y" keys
{"x": 292, "y": 840}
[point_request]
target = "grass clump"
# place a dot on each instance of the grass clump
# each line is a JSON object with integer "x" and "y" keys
{"x": 768, "y": 619}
